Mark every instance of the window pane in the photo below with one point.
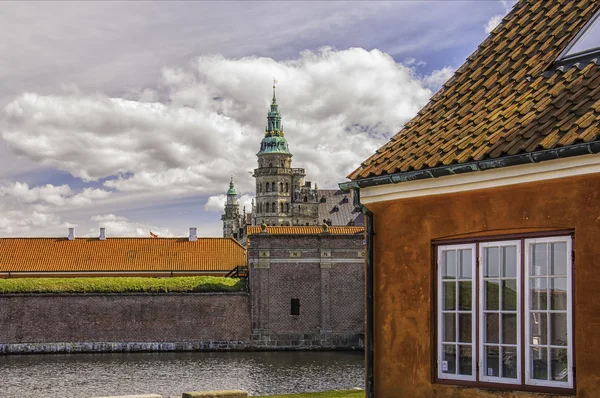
(492, 361)
(509, 328)
(449, 290)
(539, 328)
(465, 296)
(509, 362)
(539, 259)
(492, 327)
(558, 364)
(539, 363)
(449, 327)
(466, 264)
(465, 327)
(449, 264)
(558, 329)
(492, 301)
(449, 358)
(509, 295)
(465, 360)
(558, 256)
(558, 293)
(491, 255)
(538, 293)
(509, 261)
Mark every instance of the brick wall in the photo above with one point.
(124, 318)
(325, 272)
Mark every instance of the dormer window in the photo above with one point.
(585, 43)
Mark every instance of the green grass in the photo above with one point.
(121, 285)
(326, 394)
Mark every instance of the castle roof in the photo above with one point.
(119, 254)
(305, 230)
(337, 206)
(511, 97)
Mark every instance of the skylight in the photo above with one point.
(586, 42)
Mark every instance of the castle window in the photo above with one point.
(267, 187)
(295, 307)
(270, 164)
(273, 186)
(260, 188)
(286, 187)
(305, 198)
(273, 207)
(281, 187)
(287, 207)
(281, 207)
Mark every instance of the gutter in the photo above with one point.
(369, 382)
(481, 165)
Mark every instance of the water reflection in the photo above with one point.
(170, 374)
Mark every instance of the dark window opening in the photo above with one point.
(295, 307)
(281, 187)
(286, 187)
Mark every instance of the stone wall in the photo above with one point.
(67, 323)
(123, 322)
(324, 272)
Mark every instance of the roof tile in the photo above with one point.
(119, 254)
(501, 101)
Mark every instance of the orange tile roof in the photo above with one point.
(508, 98)
(305, 230)
(119, 254)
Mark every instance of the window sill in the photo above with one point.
(548, 391)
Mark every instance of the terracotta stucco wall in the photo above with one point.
(403, 281)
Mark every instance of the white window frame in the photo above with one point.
(480, 312)
(440, 312)
(478, 373)
(570, 364)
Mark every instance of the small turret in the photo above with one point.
(232, 194)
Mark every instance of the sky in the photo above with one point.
(134, 115)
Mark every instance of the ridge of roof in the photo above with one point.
(304, 230)
(503, 101)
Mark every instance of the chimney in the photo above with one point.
(193, 236)
(102, 234)
(71, 234)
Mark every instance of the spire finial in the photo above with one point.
(274, 84)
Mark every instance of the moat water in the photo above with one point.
(170, 374)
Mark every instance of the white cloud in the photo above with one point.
(52, 195)
(121, 226)
(20, 221)
(493, 22)
(211, 123)
(438, 77)
(216, 203)
(496, 19)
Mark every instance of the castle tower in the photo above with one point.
(231, 218)
(282, 195)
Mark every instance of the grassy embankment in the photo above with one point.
(121, 285)
(326, 394)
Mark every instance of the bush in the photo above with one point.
(122, 285)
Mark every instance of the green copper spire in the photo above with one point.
(232, 190)
(274, 142)
(274, 126)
